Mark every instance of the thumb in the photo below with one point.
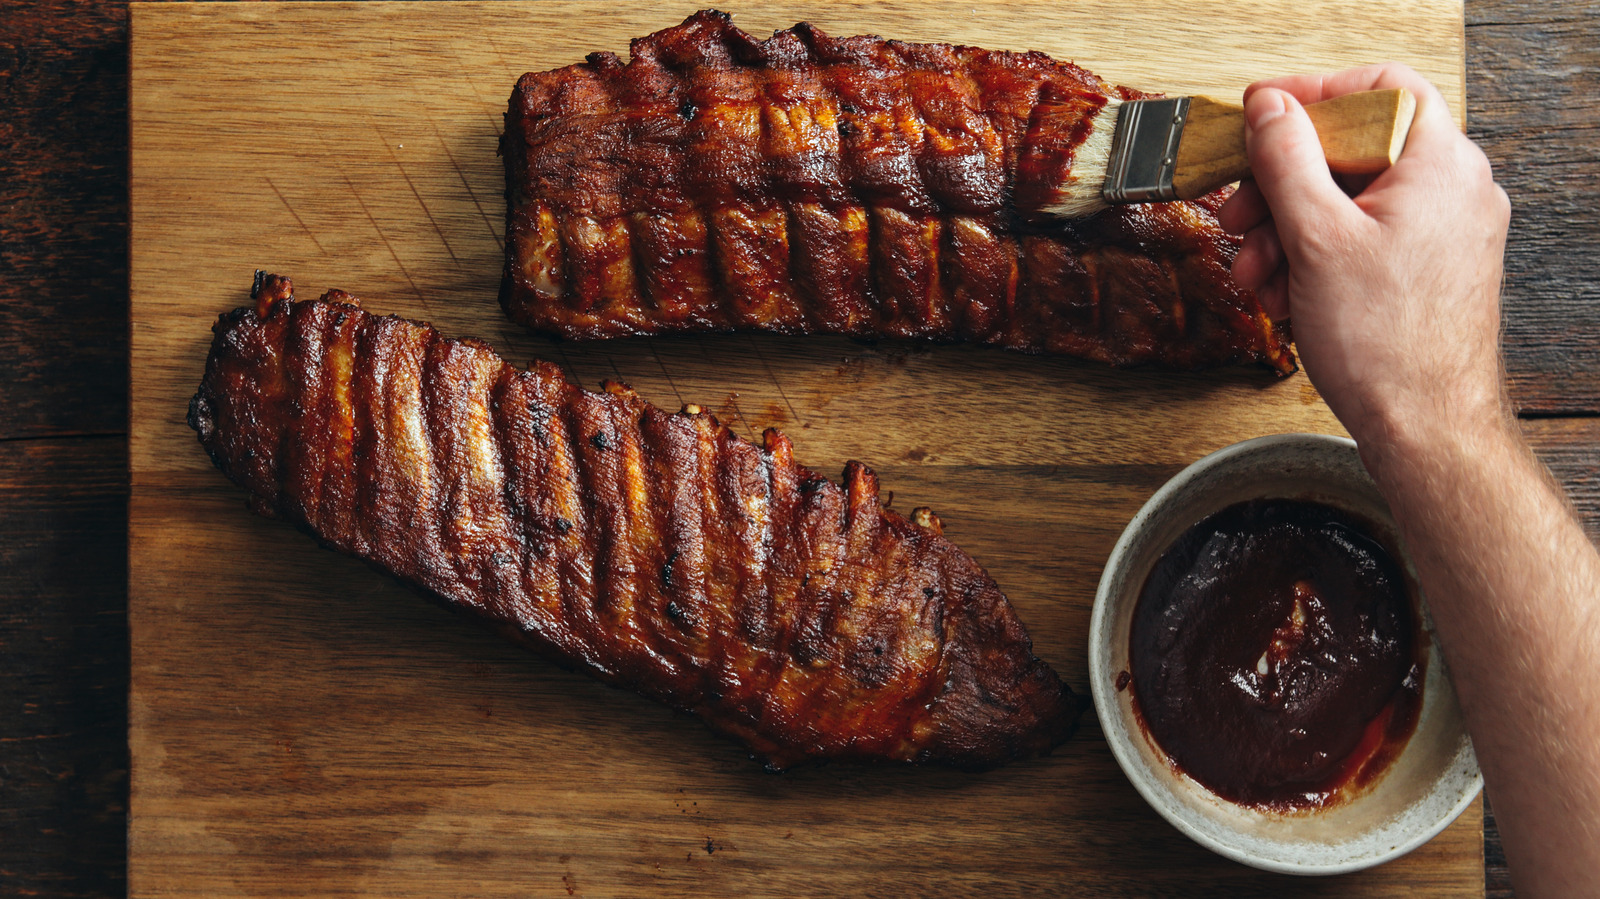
(1289, 167)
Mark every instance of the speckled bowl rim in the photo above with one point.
(1109, 710)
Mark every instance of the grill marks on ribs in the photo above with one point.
(809, 184)
(656, 551)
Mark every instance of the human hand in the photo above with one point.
(1392, 282)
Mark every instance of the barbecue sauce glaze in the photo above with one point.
(1274, 654)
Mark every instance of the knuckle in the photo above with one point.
(1466, 163)
(1396, 73)
(1502, 206)
(1477, 163)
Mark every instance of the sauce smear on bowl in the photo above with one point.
(1275, 654)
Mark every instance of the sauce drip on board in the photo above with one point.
(1274, 654)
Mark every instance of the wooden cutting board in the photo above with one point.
(304, 726)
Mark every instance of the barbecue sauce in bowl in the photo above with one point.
(1274, 654)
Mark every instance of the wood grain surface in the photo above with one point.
(1535, 110)
(63, 329)
(302, 725)
(63, 664)
(63, 448)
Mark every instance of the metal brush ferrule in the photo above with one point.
(1144, 150)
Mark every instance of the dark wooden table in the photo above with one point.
(1532, 104)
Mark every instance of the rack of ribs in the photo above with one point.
(656, 551)
(814, 185)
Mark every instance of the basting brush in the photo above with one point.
(1180, 148)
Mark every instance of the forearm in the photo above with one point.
(1514, 588)
(1394, 293)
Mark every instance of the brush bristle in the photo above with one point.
(1082, 192)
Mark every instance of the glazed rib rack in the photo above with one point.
(858, 186)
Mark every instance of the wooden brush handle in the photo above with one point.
(1361, 134)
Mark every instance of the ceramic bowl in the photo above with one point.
(1433, 779)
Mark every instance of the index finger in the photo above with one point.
(1433, 113)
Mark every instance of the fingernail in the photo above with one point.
(1263, 106)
